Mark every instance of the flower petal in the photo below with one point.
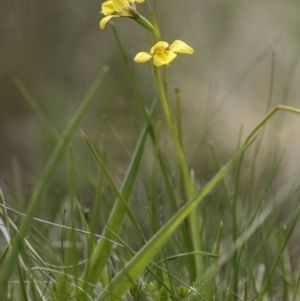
(181, 47)
(107, 8)
(120, 5)
(142, 57)
(105, 20)
(163, 58)
(139, 1)
(159, 46)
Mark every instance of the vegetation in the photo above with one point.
(164, 234)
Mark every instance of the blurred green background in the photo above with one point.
(56, 49)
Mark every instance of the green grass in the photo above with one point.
(160, 234)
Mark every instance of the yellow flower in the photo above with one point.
(163, 53)
(118, 8)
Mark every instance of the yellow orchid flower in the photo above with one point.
(118, 8)
(163, 53)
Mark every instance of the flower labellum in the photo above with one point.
(163, 53)
(118, 8)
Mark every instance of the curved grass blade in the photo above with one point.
(201, 253)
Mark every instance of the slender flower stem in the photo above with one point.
(187, 183)
(172, 128)
(166, 86)
(193, 217)
(178, 114)
(154, 137)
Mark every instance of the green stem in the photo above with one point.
(166, 87)
(184, 174)
(193, 217)
(172, 128)
(178, 114)
(154, 138)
